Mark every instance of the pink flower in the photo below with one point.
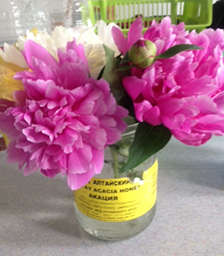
(63, 120)
(134, 33)
(163, 34)
(185, 93)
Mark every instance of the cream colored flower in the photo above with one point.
(60, 36)
(42, 38)
(93, 47)
(93, 44)
(7, 71)
(104, 33)
(7, 84)
(12, 55)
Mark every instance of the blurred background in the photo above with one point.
(16, 16)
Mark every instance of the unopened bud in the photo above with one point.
(142, 53)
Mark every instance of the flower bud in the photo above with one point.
(142, 53)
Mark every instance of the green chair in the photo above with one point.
(197, 14)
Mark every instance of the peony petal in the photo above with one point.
(15, 155)
(79, 160)
(153, 116)
(141, 109)
(104, 32)
(135, 32)
(43, 71)
(134, 86)
(219, 101)
(51, 173)
(170, 106)
(98, 138)
(34, 50)
(199, 86)
(12, 55)
(120, 40)
(191, 139)
(35, 137)
(7, 126)
(76, 181)
(97, 160)
(7, 83)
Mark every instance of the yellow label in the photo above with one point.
(115, 200)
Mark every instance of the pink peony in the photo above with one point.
(185, 93)
(64, 119)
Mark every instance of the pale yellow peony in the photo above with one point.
(7, 84)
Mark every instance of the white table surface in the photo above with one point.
(37, 217)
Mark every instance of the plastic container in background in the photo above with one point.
(61, 12)
(68, 13)
(37, 15)
(12, 22)
(80, 12)
(197, 14)
(46, 15)
(16, 16)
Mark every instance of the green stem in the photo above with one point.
(115, 163)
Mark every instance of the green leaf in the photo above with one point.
(129, 120)
(125, 68)
(148, 141)
(109, 67)
(108, 73)
(123, 64)
(100, 74)
(175, 50)
(125, 59)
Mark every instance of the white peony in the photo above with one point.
(104, 33)
(12, 55)
(60, 36)
(93, 44)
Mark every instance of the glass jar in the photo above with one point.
(115, 206)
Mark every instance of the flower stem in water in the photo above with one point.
(115, 162)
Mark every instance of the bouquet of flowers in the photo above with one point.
(67, 96)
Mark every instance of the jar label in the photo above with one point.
(115, 200)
